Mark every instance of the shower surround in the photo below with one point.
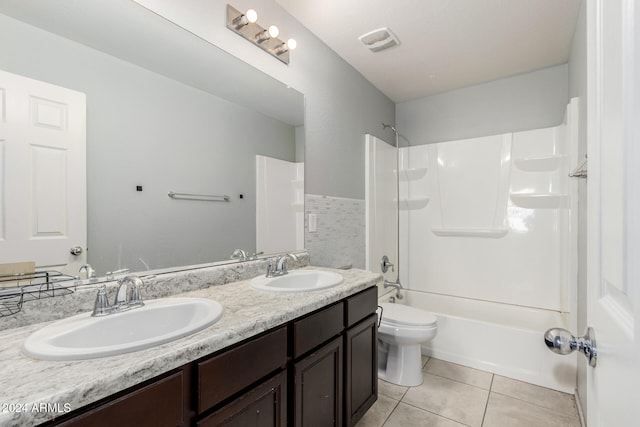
(488, 244)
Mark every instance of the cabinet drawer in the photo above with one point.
(157, 404)
(265, 405)
(317, 328)
(233, 370)
(361, 305)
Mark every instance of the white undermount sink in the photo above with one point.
(157, 322)
(298, 281)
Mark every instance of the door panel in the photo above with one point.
(613, 212)
(43, 176)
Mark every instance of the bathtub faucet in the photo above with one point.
(396, 285)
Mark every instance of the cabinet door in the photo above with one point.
(318, 385)
(361, 369)
(263, 406)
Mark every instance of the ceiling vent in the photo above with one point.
(379, 39)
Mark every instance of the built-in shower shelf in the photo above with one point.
(413, 203)
(540, 201)
(412, 174)
(492, 233)
(539, 164)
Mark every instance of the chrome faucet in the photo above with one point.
(128, 293)
(127, 296)
(239, 254)
(280, 267)
(91, 273)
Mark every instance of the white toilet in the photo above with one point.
(402, 330)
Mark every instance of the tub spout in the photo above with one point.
(397, 285)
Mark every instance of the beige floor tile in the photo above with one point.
(393, 391)
(505, 411)
(560, 402)
(378, 413)
(459, 402)
(459, 373)
(406, 415)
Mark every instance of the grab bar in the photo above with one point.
(207, 197)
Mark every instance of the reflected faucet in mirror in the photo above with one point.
(91, 273)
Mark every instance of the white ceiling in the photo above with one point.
(445, 44)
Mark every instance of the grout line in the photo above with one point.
(434, 413)
(555, 411)
(459, 382)
(390, 413)
(486, 405)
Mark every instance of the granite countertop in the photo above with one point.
(34, 391)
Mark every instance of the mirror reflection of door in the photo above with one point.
(279, 205)
(43, 172)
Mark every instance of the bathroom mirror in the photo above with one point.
(166, 111)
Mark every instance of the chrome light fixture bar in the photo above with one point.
(245, 24)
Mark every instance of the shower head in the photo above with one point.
(385, 126)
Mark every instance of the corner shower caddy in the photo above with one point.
(32, 286)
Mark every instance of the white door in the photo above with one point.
(613, 307)
(42, 172)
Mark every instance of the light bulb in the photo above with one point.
(274, 31)
(292, 44)
(252, 16)
(249, 17)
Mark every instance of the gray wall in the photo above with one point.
(527, 101)
(578, 88)
(145, 129)
(341, 105)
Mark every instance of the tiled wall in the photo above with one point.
(340, 237)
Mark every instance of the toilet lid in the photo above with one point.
(405, 315)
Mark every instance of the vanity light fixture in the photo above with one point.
(245, 24)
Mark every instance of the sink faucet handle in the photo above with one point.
(101, 306)
(271, 268)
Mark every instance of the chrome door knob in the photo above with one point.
(563, 342)
(76, 250)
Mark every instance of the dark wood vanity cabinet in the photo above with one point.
(337, 382)
(317, 370)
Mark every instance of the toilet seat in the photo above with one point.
(404, 315)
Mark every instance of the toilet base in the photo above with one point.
(403, 365)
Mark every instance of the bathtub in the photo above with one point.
(500, 338)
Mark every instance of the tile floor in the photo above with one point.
(455, 396)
